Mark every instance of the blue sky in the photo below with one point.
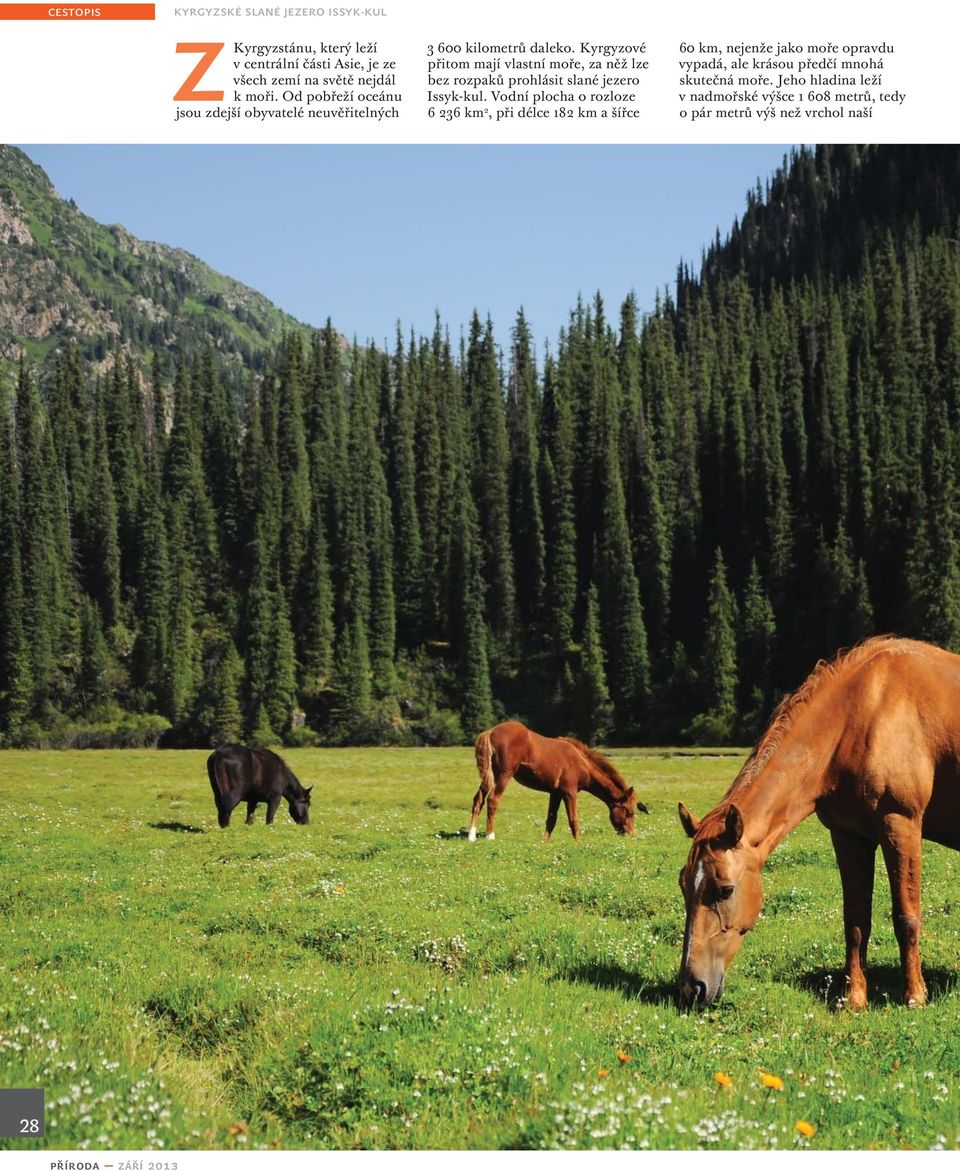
(373, 235)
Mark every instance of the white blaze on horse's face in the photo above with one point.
(723, 895)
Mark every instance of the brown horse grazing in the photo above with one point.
(559, 767)
(871, 744)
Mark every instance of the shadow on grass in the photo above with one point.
(633, 986)
(177, 827)
(884, 984)
(446, 835)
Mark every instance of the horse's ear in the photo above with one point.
(310, 790)
(690, 823)
(628, 794)
(733, 828)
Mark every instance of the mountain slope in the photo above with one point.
(824, 209)
(64, 278)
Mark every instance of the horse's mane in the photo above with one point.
(824, 672)
(293, 782)
(601, 762)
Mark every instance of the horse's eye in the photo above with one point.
(724, 892)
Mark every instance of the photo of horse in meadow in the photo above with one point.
(578, 479)
(870, 742)
(562, 767)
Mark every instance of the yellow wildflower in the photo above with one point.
(601, 1072)
(722, 1080)
(807, 1129)
(622, 1057)
(771, 1081)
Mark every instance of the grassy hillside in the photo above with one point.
(66, 278)
(372, 980)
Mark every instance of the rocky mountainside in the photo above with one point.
(66, 279)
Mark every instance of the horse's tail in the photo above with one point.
(484, 751)
(217, 772)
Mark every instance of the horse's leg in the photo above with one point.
(493, 800)
(901, 846)
(226, 806)
(485, 753)
(251, 806)
(220, 799)
(478, 801)
(552, 810)
(855, 858)
(570, 804)
(272, 802)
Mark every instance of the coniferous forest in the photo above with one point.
(645, 532)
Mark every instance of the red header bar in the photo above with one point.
(71, 12)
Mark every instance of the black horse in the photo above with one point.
(254, 775)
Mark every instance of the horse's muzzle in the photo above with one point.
(694, 993)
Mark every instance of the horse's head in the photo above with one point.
(623, 813)
(299, 806)
(723, 895)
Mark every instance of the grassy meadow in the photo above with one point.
(374, 980)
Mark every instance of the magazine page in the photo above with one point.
(479, 582)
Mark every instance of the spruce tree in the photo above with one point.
(153, 594)
(316, 610)
(936, 585)
(94, 685)
(620, 608)
(526, 520)
(219, 432)
(261, 626)
(756, 653)
(407, 548)
(182, 665)
(103, 545)
(40, 567)
(557, 479)
(218, 705)
(626, 638)
(280, 697)
(718, 668)
(476, 699)
(645, 511)
(428, 464)
(16, 689)
(594, 713)
(490, 461)
(383, 610)
(860, 621)
(293, 470)
(353, 667)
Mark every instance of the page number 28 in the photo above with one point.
(29, 1125)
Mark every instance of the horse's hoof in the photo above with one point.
(472, 836)
(853, 1003)
(491, 837)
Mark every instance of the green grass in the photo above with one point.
(373, 980)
